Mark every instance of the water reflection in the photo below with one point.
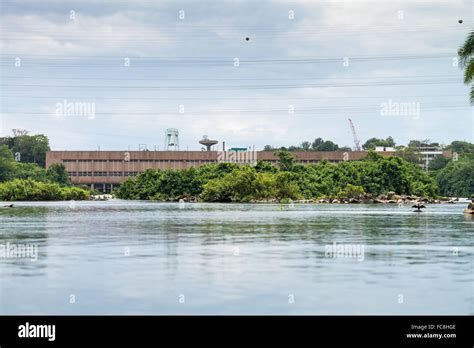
(138, 257)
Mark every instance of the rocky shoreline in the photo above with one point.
(389, 198)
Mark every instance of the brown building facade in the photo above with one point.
(103, 170)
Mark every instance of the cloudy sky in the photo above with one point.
(143, 66)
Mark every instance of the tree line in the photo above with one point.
(231, 182)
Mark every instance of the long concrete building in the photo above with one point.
(102, 170)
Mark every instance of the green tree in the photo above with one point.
(7, 163)
(317, 142)
(373, 142)
(409, 154)
(57, 173)
(462, 148)
(268, 148)
(286, 187)
(328, 145)
(306, 145)
(30, 148)
(466, 53)
(438, 162)
(286, 159)
(457, 178)
(351, 191)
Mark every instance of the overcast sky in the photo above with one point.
(306, 67)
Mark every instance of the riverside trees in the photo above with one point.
(230, 182)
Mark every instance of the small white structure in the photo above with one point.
(383, 149)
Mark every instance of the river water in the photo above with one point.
(123, 257)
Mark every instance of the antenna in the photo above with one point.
(354, 134)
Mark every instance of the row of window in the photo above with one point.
(103, 173)
(136, 161)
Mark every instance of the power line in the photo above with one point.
(312, 110)
(246, 87)
(102, 78)
(238, 98)
(191, 59)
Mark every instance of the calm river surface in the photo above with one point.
(122, 257)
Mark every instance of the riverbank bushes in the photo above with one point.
(31, 190)
(456, 178)
(230, 182)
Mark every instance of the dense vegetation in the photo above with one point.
(319, 144)
(27, 148)
(229, 182)
(455, 177)
(11, 169)
(30, 190)
(23, 177)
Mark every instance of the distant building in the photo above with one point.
(102, 170)
(427, 154)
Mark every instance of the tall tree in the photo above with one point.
(316, 143)
(306, 145)
(57, 173)
(373, 142)
(31, 148)
(7, 163)
(466, 53)
(286, 159)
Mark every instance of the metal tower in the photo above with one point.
(172, 139)
(354, 134)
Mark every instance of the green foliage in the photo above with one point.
(265, 167)
(438, 162)
(409, 154)
(286, 159)
(351, 191)
(7, 164)
(457, 178)
(462, 148)
(29, 171)
(286, 187)
(373, 142)
(466, 55)
(230, 182)
(30, 190)
(11, 169)
(31, 148)
(317, 145)
(57, 173)
(328, 145)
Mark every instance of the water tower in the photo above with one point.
(172, 139)
(207, 142)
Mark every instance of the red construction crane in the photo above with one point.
(354, 134)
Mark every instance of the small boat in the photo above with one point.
(468, 211)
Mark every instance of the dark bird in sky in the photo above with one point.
(247, 39)
(418, 207)
(460, 21)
